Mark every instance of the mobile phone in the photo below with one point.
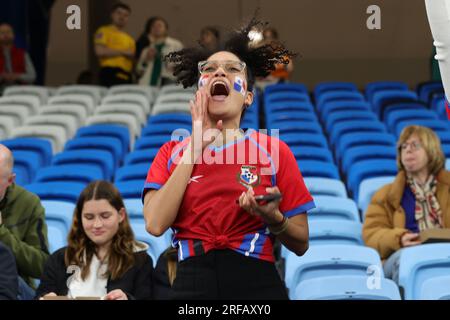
(268, 197)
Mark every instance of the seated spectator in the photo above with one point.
(22, 226)
(282, 71)
(9, 280)
(418, 199)
(115, 48)
(15, 63)
(210, 38)
(152, 67)
(102, 255)
(165, 274)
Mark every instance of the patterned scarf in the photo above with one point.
(428, 212)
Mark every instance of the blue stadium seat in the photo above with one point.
(64, 191)
(151, 142)
(335, 208)
(367, 189)
(132, 172)
(333, 86)
(178, 129)
(417, 106)
(447, 164)
(342, 116)
(348, 106)
(382, 99)
(97, 158)
(29, 160)
(60, 211)
(355, 154)
(369, 169)
(170, 118)
(249, 122)
(436, 288)
(135, 208)
(107, 130)
(304, 140)
(131, 189)
(421, 263)
(325, 232)
(443, 136)
(333, 96)
(373, 87)
(355, 127)
(41, 146)
(286, 97)
(397, 116)
(435, 125)
(330, 260)
(69, 173)
(346, 287)
(285, 87)
(143, 156)
(320, 169)
(446, 150)
(326, 187)
(426, 89)
(351, 140)
(110, 144)
(312, 153)
(439, 108)
(299, 127)
(157, 244)
(281, 107)
(290, 115)
(57, 238)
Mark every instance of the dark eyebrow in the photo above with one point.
(98, 213)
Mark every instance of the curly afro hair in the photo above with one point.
(260, 60)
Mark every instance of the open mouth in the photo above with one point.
(219, 90)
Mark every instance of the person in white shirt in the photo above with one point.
(102, 259)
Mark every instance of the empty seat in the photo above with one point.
(30, 102)
(69, 173)
(436, 288)
(143, 156)
(312, 153)
(420, 263)
(373, 87)
(355, 154)
(342, 116)
(125, 120)
(175, 97)
(369, 169)
(41, 146)
(59, 210)
(28, 90)
(426, 89)
(333, 259)
(285, 87)
(396, 116)
(16, 114)
(286, 97)
(298, 127)
(367, 189)
(135, 99)
(151, 142)
(326, 187)
(131, 109)
(180, 107)
(30, 160)
(110, 144)
(336, 208)
(130, 189)
(346, 287)
(132, 172)
(355, 127)
(22, 177)
(435, 125)
(55, 134)
(97, 158)
(334, 86)
(170, 118)
(320, 169)
(325, 232)
(104, 130)
(57, 238)
(74, 110)
(134, 207)
(64, 191)
(272, 108)
(175, 88)
(175, 129)
(333, 96)
(67, 122)
(348, 106)
(6, 127)
(304, 140)
(145, 91)
(86, 101)
(95, 92)
(350, 140)
(382, 99)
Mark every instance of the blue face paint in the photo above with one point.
(240, 85)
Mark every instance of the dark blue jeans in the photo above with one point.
(25, 291)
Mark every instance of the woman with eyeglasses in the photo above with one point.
(206, 187)
(417, 200)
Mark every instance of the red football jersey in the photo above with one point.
(209, 217)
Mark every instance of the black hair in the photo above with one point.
(260, 60)
(120, 5)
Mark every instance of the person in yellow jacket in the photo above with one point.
(417, 200)
(115, 48)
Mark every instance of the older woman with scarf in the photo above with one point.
(417, 200)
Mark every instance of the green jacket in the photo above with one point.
(24, 231)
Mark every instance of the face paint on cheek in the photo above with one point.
(240, 85)
(203, 81)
